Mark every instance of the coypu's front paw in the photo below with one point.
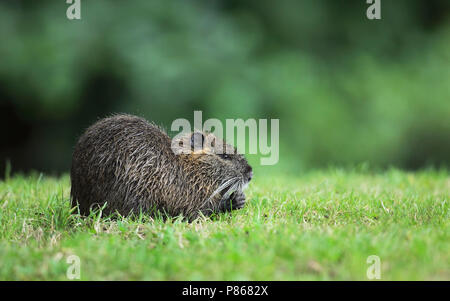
(236, 201)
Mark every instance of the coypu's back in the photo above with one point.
(128, 163)
(107, 163)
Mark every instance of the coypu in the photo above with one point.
(129, 163)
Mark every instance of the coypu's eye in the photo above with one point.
(225, 156)
(197, 141)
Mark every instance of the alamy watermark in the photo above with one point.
(73, 271)
(374, 10)
(257, 136)
(374, 270)
(73, 12)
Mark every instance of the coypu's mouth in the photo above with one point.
(230, 187)
(231, 192)
(245, 186)
(233, 196)
(234, 202)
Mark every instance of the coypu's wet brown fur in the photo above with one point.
(128, 163)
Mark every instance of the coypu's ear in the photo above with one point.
(197, 141)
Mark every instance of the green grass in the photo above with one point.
(321, 225)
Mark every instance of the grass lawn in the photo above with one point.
(322, 225)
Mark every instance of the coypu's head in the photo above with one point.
(216, 167)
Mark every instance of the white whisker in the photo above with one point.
(221, 188)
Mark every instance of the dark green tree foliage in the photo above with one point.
(346, 89)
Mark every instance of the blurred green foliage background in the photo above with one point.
(346, 89)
